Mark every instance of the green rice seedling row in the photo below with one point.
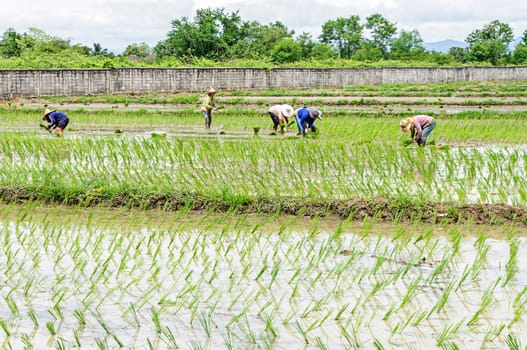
(140, 229)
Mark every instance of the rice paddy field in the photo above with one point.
(139, 229)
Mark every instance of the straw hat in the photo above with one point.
(287, 111)
(211, 91)
(46, 112)
(406, 123)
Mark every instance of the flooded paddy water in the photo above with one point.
(339, 254)
(96, 278)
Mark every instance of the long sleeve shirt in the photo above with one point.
(57, 117)
(420, 122)
(278, 111)
(303, 117)
(208, 103)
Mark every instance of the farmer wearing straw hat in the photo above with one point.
(280, 114)
(57, 121)
(207, 105)
(305, 119)
(420, 127)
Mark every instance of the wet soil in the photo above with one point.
(381, 209)
(358, 209)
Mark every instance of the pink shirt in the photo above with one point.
(277, 110)
(420, 122)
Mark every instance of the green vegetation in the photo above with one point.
(165, 235)
(152, 152)
(120, 278)
(216, 38)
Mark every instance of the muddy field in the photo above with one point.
(141, 230)
(333, 103)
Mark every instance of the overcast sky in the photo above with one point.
(117, 23)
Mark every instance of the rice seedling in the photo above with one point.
(227, 277)
(26, 340)
(512, 342)
(511, 266)
(5, 327)
(448, 332)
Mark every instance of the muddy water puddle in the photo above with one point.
(132, 278)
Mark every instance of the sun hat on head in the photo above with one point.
(405, 123)
(287, 110)
(211, 91)
(315, 113)
(46, 112)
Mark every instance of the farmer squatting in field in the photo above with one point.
(420, 127)
(207, 106)
(280, 114)
(58, 121)
(305, 119)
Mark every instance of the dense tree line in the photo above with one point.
(215, 35)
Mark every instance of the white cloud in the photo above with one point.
(117, 23)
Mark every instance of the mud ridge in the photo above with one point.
(382, 209)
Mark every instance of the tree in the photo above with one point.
(210, 36)
(323, 52)
(42, 43)
(382, 31)
(369, 52)
(459, 53)
(407, 46)
(306, 43)
(97, 50)
(343, 34)
(10, 44)
(519, 55)
(139, 50)
(491, 43)
(267, 36)
(286, 51)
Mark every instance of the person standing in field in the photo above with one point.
(280, 114)
(305, 119)
(207, 106)
(58, 121)
(420, 127)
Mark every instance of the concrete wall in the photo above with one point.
(84, 82)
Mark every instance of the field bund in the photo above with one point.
(85, 82)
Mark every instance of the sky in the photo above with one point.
(114, 24)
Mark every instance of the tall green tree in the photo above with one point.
(491, 43)
(306, 42)
(267, 36)
(343, 34)
(382, 32)
(459, 53)
(10, 45)
(519, 55)
(407, 46)
(139, 50)
(286, 51)
(210, 35)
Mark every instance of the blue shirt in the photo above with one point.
(57, 117)
(302, 118)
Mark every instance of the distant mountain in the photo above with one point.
(444, 45)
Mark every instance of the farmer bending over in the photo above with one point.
(280, 114)
(420, 127)
(305, 119)
(57, 121)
